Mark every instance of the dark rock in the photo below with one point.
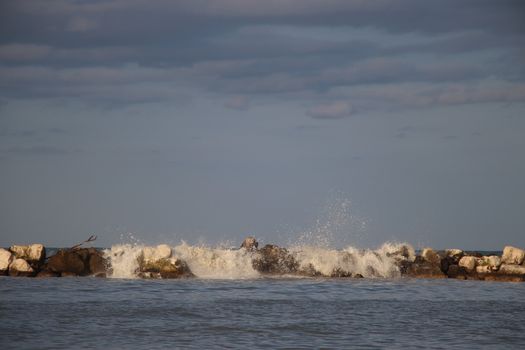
(47, 273)
(425, 269)
(340, 273)
(274, 259)
(98, 265)
(69, 262)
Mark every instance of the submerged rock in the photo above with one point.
(274, 259)
(512, 255)
(250, 243)
(6, 258)
(20, 267)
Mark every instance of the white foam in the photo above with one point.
(217, 263)
(224, 263)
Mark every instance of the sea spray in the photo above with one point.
(217, 263)
(227, 263)
(351, 261)
(124, 260)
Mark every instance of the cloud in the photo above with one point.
(334, 110)
(240, 103)
(80, 24)
(41, 151)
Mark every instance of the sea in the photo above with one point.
(228, 305)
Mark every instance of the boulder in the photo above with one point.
(400, 252)
(468, 263)
(166, 268)
(454, 271)
(67, 261)
(274, 259)
(6, 258)
(33, 253)
(513, 256)
(424, 269)
(453, 255)
(20, 267)
(250, 243)
(493, 262)
(98, 265)
(512, 269)
(47, 273)
(430, 256)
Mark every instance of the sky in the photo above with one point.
(347, 122)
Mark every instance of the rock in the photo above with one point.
(400, 252)
(69, 262)
(468, 263)
(453, 255)
(454, 271)
(274, 259)
(166, 268)
(98, 265)
(33, 253)
(512, 269)
(47, 273)
(20, 267)
(250, 243)
(6, 258)
(513, 256)
(493, 262)
(431, 256)
(425, 269)
(483, 269)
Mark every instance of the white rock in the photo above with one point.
(512, 255)
(19, 250)
(468, 263)
(512, 269)
(35, 252)
(454, 252)
(20, 267)
(483, 269)
(6, 258)
(430, 256)
(32, 252)
(493, 262)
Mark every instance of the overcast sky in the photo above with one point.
(357, 121)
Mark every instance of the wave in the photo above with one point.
(228, 263)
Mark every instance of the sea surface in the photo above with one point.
(260, 313)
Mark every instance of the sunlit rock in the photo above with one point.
(165, 268)
(493, 262)
(250, 243)
(512, 255)
(6, 258)
(512, 269)
(20, 267)
(468, 263)
(430, 256)
(32, 253)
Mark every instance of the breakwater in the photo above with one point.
(251, 261)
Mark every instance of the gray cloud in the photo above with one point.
(334, 110)
(40, 151)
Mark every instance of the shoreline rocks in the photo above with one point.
(160, 263)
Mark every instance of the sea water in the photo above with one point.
(230, 305)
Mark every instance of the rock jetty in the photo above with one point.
(159, 262)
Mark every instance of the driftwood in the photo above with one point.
(90, 239)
